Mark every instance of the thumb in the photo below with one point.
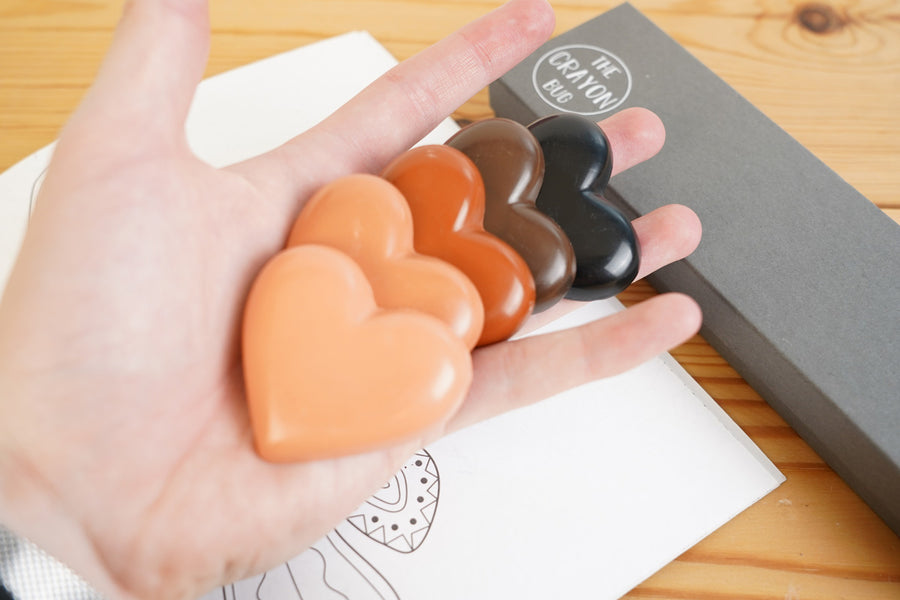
(147, 80)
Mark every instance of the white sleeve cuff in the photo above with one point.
(29, 573)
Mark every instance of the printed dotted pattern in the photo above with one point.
(400, 514)
(29, 573)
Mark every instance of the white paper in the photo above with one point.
(583, 495)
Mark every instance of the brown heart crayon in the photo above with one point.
(511, 164)
(577, 167)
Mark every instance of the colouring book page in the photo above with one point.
(585, 494)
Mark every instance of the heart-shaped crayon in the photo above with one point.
(511, 164)
(446, 196)
(368, 219)
(577, 166)
(328, 373)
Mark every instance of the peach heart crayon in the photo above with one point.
(329, 373)
(368, 219)
(446, 196)
(577, 167)
(512, 168)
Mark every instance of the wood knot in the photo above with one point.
(819, 18)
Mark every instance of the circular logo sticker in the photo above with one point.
(581, 79)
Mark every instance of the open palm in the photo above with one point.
(125, 445)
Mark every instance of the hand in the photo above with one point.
(125, 447)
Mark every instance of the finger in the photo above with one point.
(402, 106)
(427, 88)
(518, 373)
(635, 135)
(665, 235)
(152, 69)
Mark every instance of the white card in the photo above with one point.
(583, 495)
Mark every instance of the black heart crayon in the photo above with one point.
(577, 167)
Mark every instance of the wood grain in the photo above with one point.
(828, 73)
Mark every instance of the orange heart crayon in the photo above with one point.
(446, 196)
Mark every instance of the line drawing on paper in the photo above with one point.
(35, 188)
(398, 516)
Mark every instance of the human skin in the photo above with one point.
(125, 444)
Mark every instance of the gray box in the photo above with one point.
(798, 274)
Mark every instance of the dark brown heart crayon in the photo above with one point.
(511, 164)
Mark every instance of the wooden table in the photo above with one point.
(827, 73)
